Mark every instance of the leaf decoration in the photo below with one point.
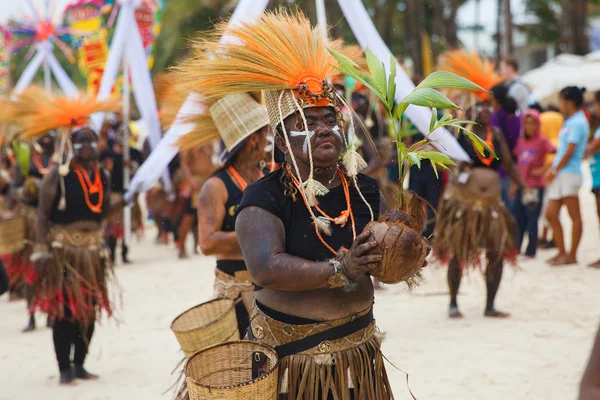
(448, 80)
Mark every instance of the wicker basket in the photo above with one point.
(224, 372)
(205, 325)
(12, 235)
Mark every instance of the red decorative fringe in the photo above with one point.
(19, 270)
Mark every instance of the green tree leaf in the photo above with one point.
(448, 80)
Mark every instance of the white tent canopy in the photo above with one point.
(565, 70)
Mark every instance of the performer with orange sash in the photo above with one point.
(69, 253)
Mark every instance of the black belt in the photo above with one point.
(311, 341)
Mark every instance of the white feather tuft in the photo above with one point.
(353, 163)
(324, 225)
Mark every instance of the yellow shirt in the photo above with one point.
(551, 123)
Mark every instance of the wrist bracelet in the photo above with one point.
(39, 255)
(41, 248)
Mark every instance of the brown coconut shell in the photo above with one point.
(400, 241)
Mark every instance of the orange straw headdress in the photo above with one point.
(473, 67)
(37, 112)
(287, 59)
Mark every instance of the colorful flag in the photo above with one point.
(149, 20)
(5, 44)
(85, 18)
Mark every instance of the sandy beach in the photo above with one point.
(539, 353)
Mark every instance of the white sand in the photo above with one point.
(539, 353)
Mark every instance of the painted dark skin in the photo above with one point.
(213, 197)
(293, 285)
(485, 182)
(85, 154)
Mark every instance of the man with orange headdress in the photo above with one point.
(299, 227)
(69, 252)
(472, 218)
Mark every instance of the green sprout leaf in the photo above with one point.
(22, 155)
(391, 87)
(448, 80)
(349, 67)
(414, 159)
(436, 157)
(433, 121)
(377, 70)
(427, 98)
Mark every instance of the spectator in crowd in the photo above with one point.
(531, 151)
(551, 121)
(565, 176)
(508, 121)
(509, 69)
(593, 151)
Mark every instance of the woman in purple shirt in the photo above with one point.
(507, 119)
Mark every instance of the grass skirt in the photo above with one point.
(19, 267)
(469, 225)
(115, 226)
(348, 368)
(78, 278)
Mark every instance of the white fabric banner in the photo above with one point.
(64, 81)
(30, 71)
(149, 173)
(368, 37)
(127, 42)
(45, 56)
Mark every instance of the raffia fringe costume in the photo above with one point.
(468, 224)
(349, 368)
(79, 277)
(18, 266)
(115, 225)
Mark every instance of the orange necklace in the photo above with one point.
(342, 219)
(91, 188)
(487, 161)
(238, 178)
(37, 161)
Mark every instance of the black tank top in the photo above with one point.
(485, 160)
(301, 240)
(77, 209)
(234, 198)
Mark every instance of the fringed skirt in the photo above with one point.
(469, 225)
(19, 267)
(78, 277)
(115, 226)
(346, 368)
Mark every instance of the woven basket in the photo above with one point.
(12, 235)
(224, 372)
(205, 325)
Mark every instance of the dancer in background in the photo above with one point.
(113, 161)
(70, 254)
(472, 218)
(196, 166)
(26, 183)
(531, 151)
(565, 177)
(593, 151)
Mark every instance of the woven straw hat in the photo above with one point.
(236, 117)
(288, 105)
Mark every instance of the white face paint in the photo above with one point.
(310, 134)
(270, 144)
